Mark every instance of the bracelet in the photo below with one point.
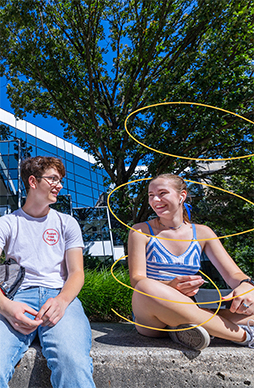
(249, 280)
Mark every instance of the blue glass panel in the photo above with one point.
(12, 161)
(83, 181)
(50, 149)
(13, 173)
(13, 131)
(83, 189)
(96, 194)
(8, 147)
(5, 159)
(4, 148)
(73, 195)
(94, 176)
(83, 172)
(100, 179)
(33, 152)
(21, 135)
(83, 200)
(81, 162)
(70, 184)
(69, 156)
(40, 144)
(42, 152)
(12, 146)
(31, 139)
(102, 189)
(104, 173)
(60, 152)
(69, 166)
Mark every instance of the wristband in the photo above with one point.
(249, 280)
(2, 290)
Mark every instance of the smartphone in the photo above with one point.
(206, 295)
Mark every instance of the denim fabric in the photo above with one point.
(66, 346)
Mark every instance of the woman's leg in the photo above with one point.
(160, 313)
(238, 319)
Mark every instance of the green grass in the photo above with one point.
(101, 292)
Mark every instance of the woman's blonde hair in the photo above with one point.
(179, 185)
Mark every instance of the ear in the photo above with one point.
(183, 196)
(32, 182)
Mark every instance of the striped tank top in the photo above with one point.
(158, 258)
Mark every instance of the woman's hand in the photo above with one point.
(187, 284)
(243, 304)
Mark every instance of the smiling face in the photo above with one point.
(37, 166)
(164, 198)
(47, 185)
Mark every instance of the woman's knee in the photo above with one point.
(148, 286)
(155, 291)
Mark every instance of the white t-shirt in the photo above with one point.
(39, 245)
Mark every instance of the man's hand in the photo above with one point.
(14, 312)
(187, 284)
(52, 311)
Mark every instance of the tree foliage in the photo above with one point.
(89, 63)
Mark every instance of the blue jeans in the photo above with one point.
(66, 346)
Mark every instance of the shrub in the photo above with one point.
(101, 292)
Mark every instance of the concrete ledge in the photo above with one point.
(125, 359)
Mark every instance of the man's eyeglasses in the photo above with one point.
(52, 180)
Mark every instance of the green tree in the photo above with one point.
(90, 63)
(228, 214)
(5, 132)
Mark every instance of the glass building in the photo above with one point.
(83, 194)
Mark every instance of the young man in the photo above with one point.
(49, 245)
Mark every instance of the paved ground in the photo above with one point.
(125, 359)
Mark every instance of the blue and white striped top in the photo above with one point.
(158, 258)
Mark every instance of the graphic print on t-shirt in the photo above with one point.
(51, 236)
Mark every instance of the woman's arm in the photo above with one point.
(219, 257)
(137, 254)
(230, 272)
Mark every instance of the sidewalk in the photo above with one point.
(125, 359)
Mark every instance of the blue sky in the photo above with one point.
(49, 124)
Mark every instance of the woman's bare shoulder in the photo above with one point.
(204, 231)
(142, 227)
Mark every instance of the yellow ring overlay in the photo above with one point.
(171, 239)
(184, 103)
(173, 301)
(162, 238)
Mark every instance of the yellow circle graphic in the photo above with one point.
(171, 239)
(184, 103)
(162, 238)
(173, 301)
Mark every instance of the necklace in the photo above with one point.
(171, 227)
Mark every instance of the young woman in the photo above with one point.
(149, 256)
